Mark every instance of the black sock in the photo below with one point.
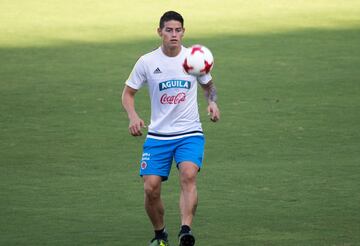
(160, 234)
(185, 229)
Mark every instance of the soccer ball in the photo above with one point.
(198, 60)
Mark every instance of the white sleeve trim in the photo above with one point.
(204, 79)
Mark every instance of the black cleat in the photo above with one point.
(162, 241)
(186, 239)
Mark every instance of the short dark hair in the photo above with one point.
(170, 15)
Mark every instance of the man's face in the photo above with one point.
(171, 34)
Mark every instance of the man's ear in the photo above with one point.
(159, 31)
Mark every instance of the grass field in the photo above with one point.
(281, 167)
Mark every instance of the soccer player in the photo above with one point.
(175, 130)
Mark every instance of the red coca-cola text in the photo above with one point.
(165, 99)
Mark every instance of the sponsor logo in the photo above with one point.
(184, 84)
(179, 98)
(157, 70)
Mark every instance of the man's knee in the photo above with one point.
(152, 187)
(188, 179)
(188, 173)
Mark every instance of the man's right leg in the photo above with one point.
(153, 203)
(155, 209)
(155, 168)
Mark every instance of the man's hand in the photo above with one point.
(211, 97)
(213, 111)
(135, 126)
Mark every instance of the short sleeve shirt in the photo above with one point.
(173, 93)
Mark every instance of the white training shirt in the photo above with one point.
(173, 94)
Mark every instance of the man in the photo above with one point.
(175, 130)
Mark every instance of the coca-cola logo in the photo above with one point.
(165, 99)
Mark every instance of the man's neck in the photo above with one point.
(172, 52)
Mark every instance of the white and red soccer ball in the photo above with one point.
(198, 61)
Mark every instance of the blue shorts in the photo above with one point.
(158, 155)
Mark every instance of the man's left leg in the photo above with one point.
(188, 195)
(188, 201)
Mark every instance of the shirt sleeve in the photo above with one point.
(204, 79)
(137, 76)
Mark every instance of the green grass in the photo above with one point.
(281, 167)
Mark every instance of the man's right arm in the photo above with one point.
(128, 102)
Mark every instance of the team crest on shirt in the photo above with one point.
(183, 84)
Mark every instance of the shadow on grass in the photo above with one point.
(290, 104)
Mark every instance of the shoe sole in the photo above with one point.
(160, 243)
(187, 240)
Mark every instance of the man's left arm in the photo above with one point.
(211, 97)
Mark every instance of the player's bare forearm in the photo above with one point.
(210, 92)
(211, 97)
(128, 102)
